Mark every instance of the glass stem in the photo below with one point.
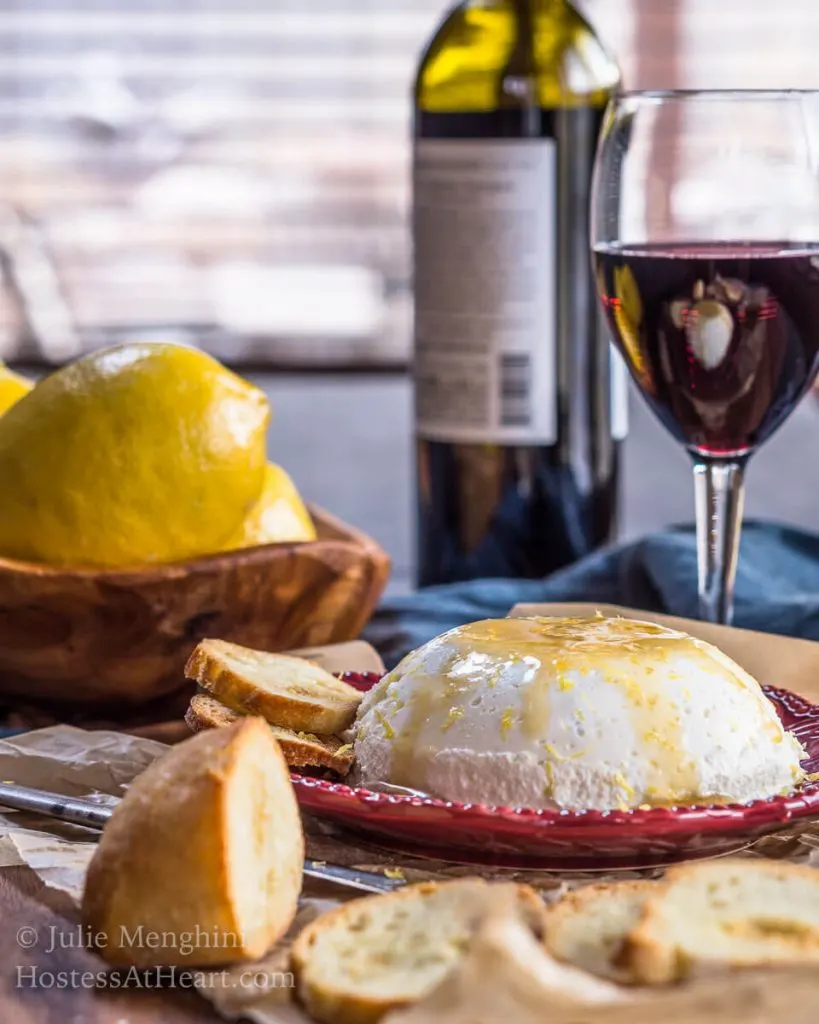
(719, 493)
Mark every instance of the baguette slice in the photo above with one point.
(289, 692)
(507, 976)
(205, 851)
(373, 955)
(300, 749)
(726, 913)
(588, 927)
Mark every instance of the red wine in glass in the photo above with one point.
(722, 338)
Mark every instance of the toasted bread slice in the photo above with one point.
(286, 691)
(300, 749)
(205, 850)
(726, 913)
(373, 955)
(506, 975)
(588, 927)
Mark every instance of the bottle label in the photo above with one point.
(485, 290)
(619, 395)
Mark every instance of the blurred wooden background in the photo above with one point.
(237, 172)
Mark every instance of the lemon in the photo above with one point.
(278, 516)
(140, 453)
(12, 388)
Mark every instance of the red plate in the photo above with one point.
(523, 837)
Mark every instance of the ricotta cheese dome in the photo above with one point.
(605, 713)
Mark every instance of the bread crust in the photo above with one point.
(300, 751)
(656, 958)
(343, 1005)
(166, 862)
(577, 903)
(506, 977)
(302, 697)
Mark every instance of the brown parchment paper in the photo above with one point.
(101, 764)
(352, 656)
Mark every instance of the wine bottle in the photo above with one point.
(520, 401)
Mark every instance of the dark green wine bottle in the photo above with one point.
(520, 407)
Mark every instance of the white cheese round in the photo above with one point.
(599, 713)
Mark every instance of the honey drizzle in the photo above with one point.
(428, 701)
(584, 644)
(617, 647)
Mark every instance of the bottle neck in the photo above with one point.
(529, 8)
(525, 14)
(518, 83)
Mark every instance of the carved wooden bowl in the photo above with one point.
(118, 638)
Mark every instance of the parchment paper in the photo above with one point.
(101, 764)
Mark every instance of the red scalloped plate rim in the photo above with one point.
(321, 795)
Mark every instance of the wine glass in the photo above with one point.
(705, 242)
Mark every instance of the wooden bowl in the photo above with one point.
(114, 639)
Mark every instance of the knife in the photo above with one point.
(79, 811)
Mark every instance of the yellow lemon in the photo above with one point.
(278, 516)
(12, 387)
(140, 453)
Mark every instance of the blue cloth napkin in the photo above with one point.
(777, 589)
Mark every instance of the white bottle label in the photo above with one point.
(485, 290)
(619, 395)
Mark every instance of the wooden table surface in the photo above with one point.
(28, 995)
